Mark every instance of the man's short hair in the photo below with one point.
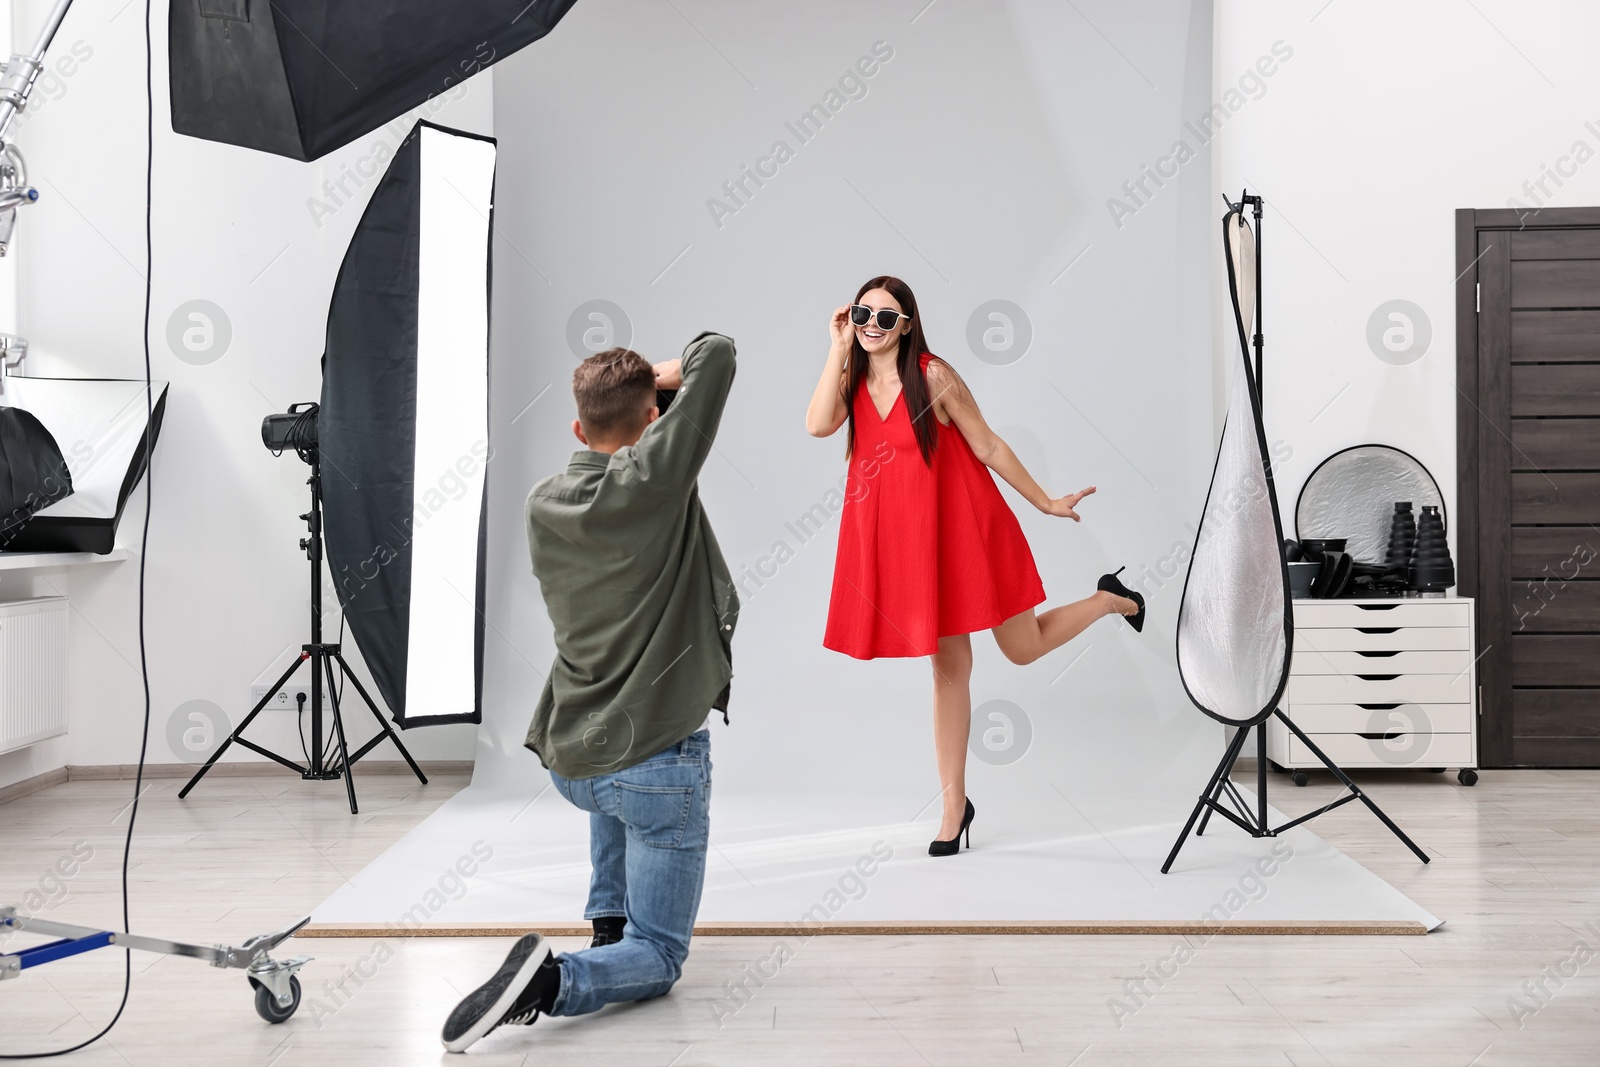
(615, 391)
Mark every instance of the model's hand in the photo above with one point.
(840, 329)
(1062, 507)
(669, 375)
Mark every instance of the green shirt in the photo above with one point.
(639, 595)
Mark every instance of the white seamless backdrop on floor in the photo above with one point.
(1026, 166)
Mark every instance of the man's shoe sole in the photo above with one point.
(483, 1008)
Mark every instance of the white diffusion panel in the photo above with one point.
(452, 428)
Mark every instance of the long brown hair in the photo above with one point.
(913, 385)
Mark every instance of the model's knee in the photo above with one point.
(1020, 654)
(671, 954)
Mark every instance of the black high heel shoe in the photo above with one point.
(952, 846)
(1111, 584)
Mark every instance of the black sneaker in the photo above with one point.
(524, 985)
(607, 930)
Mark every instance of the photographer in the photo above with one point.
(644, 611)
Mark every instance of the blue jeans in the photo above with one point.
(649, 826)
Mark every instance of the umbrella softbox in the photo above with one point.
(404, 426)
(98, 427)
(300, 78)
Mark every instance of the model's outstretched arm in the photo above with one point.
(951, 397)
(828, 407)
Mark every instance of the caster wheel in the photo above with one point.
(267, 1005)
(1437, 770)
(1467, 776)
(1300, 778)
(1277, 768)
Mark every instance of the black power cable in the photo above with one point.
(144, 542)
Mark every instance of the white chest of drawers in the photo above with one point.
(1381, 683)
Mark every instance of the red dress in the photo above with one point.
(924, 552)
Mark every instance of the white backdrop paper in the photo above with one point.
(981, 159)
(978, 161)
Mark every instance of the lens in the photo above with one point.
(859, 314)
(887, 318)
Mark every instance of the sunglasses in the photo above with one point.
(887, 318)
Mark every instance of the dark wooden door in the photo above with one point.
(1529, 429)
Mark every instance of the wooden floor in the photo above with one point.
(1516, 873)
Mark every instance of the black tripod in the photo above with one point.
(1255, 822)
(324, 657)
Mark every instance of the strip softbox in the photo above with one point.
(1234, 626)
(300, 78)
(404, 426)
(99, 426)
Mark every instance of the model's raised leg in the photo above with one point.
(1024, 638)
(952, 722)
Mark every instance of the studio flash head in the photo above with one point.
(295, 429)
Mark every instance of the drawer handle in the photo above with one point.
(1390, 736)
(1377, 607)
(1378, 707)
(1377, 677)
(1377, 655)
(1378, 629)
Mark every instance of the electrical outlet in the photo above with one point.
(287, 698)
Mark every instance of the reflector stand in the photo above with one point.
(1235, 620)
(1255, 822)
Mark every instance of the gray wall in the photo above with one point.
(977, 164)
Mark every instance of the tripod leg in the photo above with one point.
(1350, 785)
(1205, 816)
(1216, 795)
(338, 727)
(248, 719)
(1261, 773)
(383, 723)
(1202, 804)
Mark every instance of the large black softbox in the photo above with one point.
(404, 426)
(300, 78)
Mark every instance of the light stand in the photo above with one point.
(324, 657)
(1255, 823)
(16, 84)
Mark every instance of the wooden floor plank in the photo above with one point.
(1515, 872)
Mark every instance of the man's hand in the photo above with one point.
(669, 375)
(1062, 507)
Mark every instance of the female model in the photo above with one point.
(929, 552)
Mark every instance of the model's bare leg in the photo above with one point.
(952, 722)
(1024, 638)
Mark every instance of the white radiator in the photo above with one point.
(33, 671)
